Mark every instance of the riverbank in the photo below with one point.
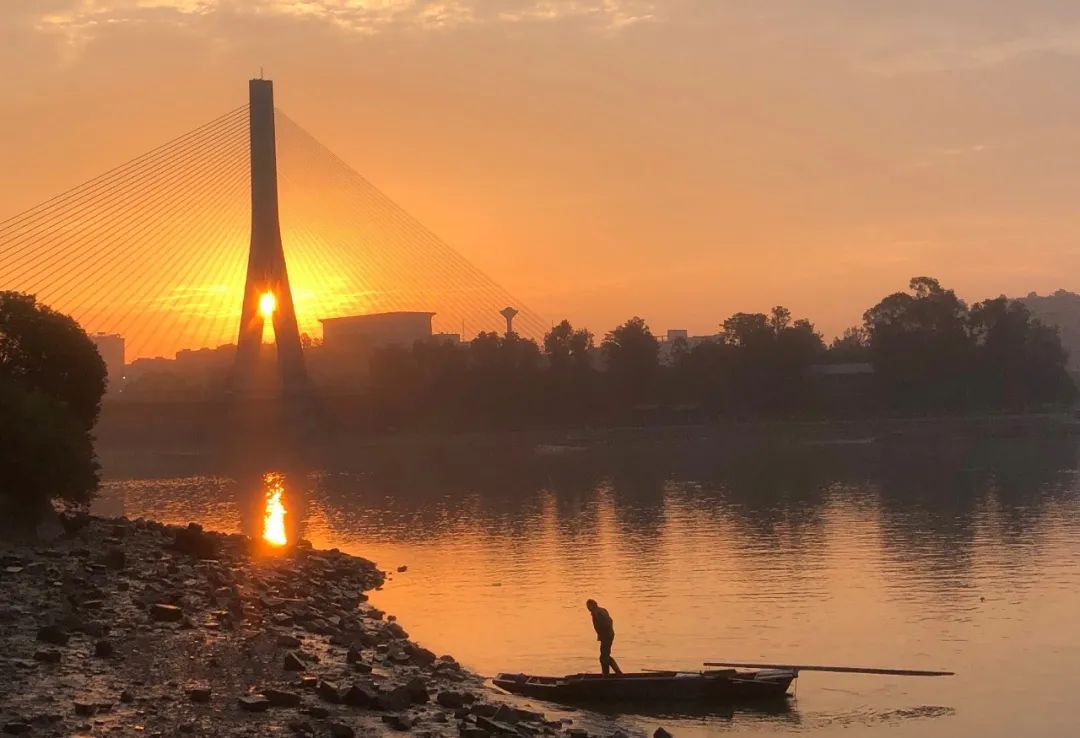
(119, 627)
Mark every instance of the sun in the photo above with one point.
(267, 304)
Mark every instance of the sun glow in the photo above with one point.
(267, 304)
(274, 518)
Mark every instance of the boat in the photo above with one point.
(719, 686)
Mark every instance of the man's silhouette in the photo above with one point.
(605, 633)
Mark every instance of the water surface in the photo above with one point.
(963, 556)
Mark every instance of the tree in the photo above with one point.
(852, 346)
(632, 355)
(51, 383)
(1020, 362)
(567, 348)
(45, 453)
(921, 348)
(47, 352)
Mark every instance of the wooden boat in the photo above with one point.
(722, 686)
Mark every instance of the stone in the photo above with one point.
(300, 727)
(471, 731)
(127, 697)
(293, 662)
(194, 542)
(281, 698)
(254, 703)
(199, 694)
(85, 708)
(402, 569)
(288, 641)
(115, 558)
(104, 650)
(417, 690)
(341, 730)
(47, 656)
(53, 634)
(309, 681)
(394, 700)
(16, 727)
(317, 711)
(163, 613)
(399, 722)
(494, 726)
(661, 733)
(328, 691)
(361, 695)
(450, 700)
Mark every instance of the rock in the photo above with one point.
(85, 708)
(577, 733)
(328, 691)
(127, 697)
(402, 569)
(288, 641)
(661, 733)
(53, 634)
(450, 700)
(281, 698)
(16, 727)
(494, 726)
(361, 695)
(47, 656)
(394, 700)
(195, 543)
(293, 662)
(300, 727)
(115, 558)
(317, 711)
(309, 681)
(254, 703)
(417, 690)
(471, 731)
(340, 730)
(199, 694)
(362, 667)
(104, 650)
(399, 722)
(505, 714)
(163, 613)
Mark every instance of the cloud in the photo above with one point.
(75, 22)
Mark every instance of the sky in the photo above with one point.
(681, 160)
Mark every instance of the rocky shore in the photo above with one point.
(122, 627)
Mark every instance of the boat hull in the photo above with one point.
(652, 688)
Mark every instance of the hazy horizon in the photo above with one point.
(682, 160)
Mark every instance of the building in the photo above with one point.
(111, 348)
(454, 339)
(367, 332)
(676, 337)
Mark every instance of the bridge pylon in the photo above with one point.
(267, 294)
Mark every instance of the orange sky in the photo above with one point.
(678, 159)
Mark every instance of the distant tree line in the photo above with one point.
(923, 351)
(51, 382)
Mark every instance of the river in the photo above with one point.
(940, 555)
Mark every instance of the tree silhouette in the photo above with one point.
(45, 351)
(632, 356)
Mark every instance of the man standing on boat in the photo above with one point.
(605, 633)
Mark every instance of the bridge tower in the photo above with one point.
(266, 291)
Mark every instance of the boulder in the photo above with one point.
(254, 703)
(281, 698)
(53, 634)
(293, 662)
(163, 613)
(104, 650)
(194, 542)
(341, 730)
(47, 656)
(361, 695)
(450, 700)
(399, 722)
(661, 733)
(199, 694)
(328, 691)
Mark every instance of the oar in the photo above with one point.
(841, 669)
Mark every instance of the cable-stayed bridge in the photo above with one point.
(159, 248)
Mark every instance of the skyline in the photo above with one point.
(929, 142)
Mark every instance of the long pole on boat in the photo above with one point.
(840, 669)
